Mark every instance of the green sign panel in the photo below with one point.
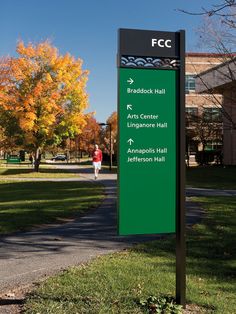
(147, 150)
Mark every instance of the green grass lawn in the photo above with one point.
(214, 177)
(24, 205)
(28, 172)
(115, 283)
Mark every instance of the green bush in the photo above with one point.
(205, 157)
(161, 305)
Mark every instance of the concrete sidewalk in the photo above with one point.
(27, 257)
(209, 192)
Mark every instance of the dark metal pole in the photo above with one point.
(180, 213)
(110, 140)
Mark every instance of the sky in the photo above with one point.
(88, 29)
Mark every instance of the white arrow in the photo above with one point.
(130, 81)
(129, 107)
(130, 141)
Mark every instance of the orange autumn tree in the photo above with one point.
(43, 94)
(90, 134)
(112, 121)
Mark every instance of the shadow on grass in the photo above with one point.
(211, 245)
(211, 250)
(15, 171)
(25, 204)
(212, 177)
(96, 230)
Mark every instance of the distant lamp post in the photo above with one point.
(110, 150)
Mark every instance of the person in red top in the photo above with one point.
(97, 160)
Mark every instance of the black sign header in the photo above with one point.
(145, 43)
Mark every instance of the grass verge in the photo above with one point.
(115, 283)
(28, 172)
(212, 177)
(27, 204)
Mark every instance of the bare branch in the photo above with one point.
(217, 10)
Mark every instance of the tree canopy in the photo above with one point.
(42, 95)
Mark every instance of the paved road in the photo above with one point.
(26, 257)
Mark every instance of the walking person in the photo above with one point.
(97, 160)
(31, 159)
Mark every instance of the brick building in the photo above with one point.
(203, 111)
(221, 79)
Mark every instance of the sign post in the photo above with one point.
(151, 138)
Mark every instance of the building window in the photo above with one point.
(191, 114)
(212, 115)
(191, 111)
(212, 145)
(189, 83)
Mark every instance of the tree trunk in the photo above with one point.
(37, 159)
